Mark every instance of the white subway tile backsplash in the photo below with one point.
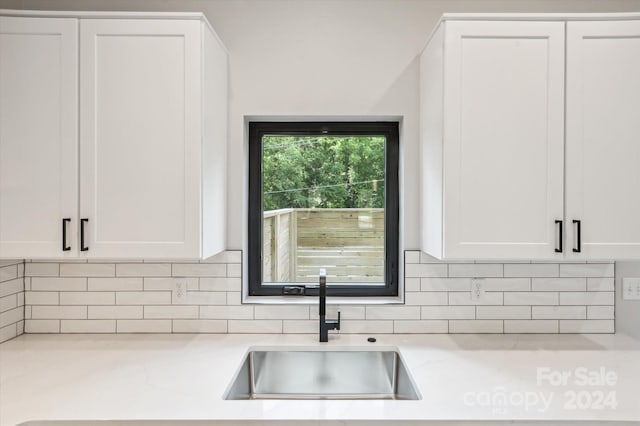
(170, 312)
(11, 316)
(58, 284)
(143, 270)
(597, 270)
(88, 326)
(587, 298)
(234, 270)
(42, 298)
(199, 270)
(559, 312)
(11, 287)
(503, 312)
(87, 270)
(8, 273)
(115, 284)
(141, 297)
(349, 312)
(220, 284)
(413, 270)
(445, 284)
(41, 326)
(412, 284)
(300, 326)
(476, 270)
(59, 312)
(8, 302)
(169, 283)
(200, 298)
(411, 257)
(464, 298)
(234, 298)
(42, 269)
(448, 312)
(8, 332)
(531, 298)
(559, 284)
(87, 298)
(300, 312)
(226, 312)
(255, 326)
(426, 298)
(392, 312)
(506, 284)
(115, 312)
(601, 284)
(600, 312)
(533, 270)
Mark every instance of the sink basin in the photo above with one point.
(322, 374)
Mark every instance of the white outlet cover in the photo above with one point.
(631, 288)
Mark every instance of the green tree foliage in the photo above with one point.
(323, 172)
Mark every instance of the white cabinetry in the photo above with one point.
(38, 136)
(149, 180)
(492, 130)
(506, 157)
(603, 138)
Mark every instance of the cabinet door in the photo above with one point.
(504, 139)
(140, 137)
(38, 136)
(603, 138)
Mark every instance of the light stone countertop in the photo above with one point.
(183, 377)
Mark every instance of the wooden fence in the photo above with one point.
(348, 243)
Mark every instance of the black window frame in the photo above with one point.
(391, 131)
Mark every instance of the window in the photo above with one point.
(323, 195)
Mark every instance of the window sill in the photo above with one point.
(313, 300)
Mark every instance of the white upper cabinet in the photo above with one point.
(141, 137)
(149, 180)
(603, 139)
(492, 106)
(38, 137)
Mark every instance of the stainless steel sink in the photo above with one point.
(322, 374)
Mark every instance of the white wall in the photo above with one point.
(627, 311)
(326, 58)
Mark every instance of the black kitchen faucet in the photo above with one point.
(325, 325)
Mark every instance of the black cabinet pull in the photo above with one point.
(579, 232)
(82, 246)
(64, 234)
(559, 249)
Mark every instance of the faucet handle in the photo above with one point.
(338, 324)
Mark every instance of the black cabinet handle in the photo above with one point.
(82, 246)
(64, 234)
(559, 249)
(579, 236)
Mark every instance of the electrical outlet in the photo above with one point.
(631, 288)
(179, 290)
(477, 288)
